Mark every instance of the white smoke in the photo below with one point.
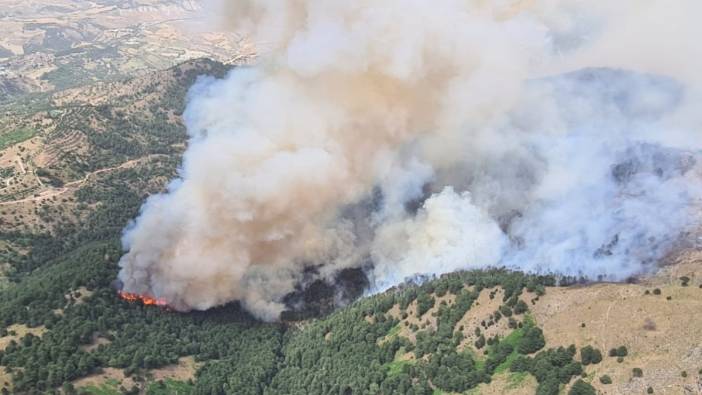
(448, 233)
(429, 137)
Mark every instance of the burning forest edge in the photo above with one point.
(145, 299)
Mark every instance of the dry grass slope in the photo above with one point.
(663, 333)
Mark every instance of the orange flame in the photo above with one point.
(145, 299)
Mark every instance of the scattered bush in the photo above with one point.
(590, 355)
(480, 343)
(506, 311)
(532, 341)
(521, 307)
(581, 388)
(424, 303)
(512, 323)
(551, 368)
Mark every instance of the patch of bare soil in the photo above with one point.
(5, 379)
(107, 374)
(20, 332)
(508, 384)
(411, 320)
(182, 371)
(481, 311)
(79, 295)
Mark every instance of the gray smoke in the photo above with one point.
(427, 137)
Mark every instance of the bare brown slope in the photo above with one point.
(662, 333)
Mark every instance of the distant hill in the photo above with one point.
(72, 43)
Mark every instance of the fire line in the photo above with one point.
(145, 299)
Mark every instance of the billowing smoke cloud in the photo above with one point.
(418, 137)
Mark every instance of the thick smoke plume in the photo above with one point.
(422, 137)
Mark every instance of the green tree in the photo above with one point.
(521, 307)
(590, 355)
(532, 341)
(424, 303)
(581, 388)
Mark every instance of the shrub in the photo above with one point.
(657, 291)
(424, 303)
(551, 368)
(590, 355)
(683, 374)
(581, 388)
(622, 351)
(649, 390)
(512, 323)
(685, 281)
(520, 307)
(532, 341)
(637, 372)
(506, 311)
(480, 343)
(511, 302)
(605, 379)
